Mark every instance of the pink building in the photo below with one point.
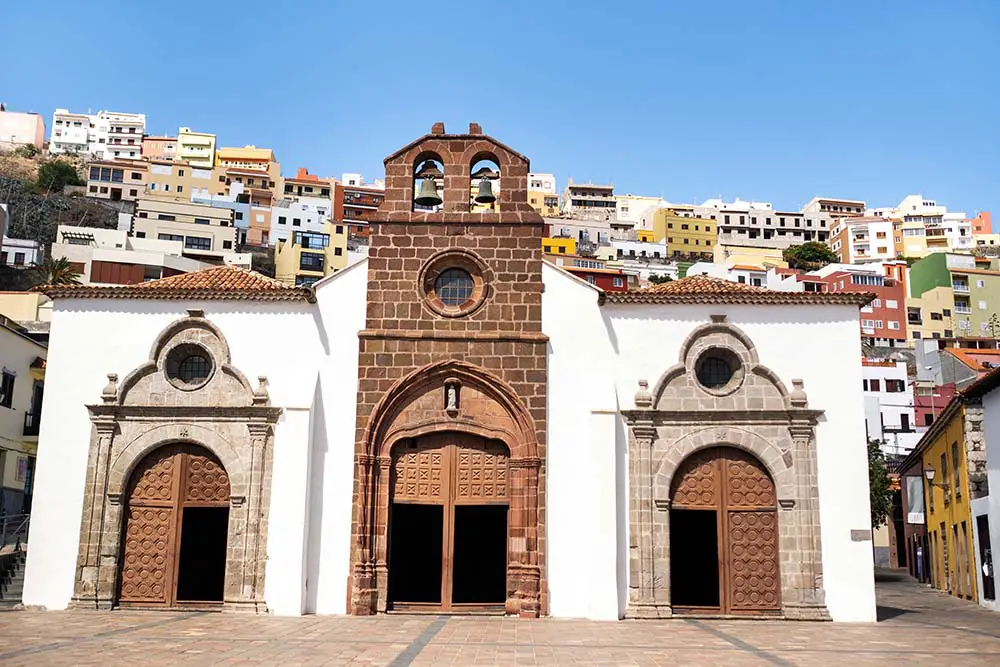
(162, 148)
(20, 129)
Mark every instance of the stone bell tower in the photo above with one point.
(453, 347)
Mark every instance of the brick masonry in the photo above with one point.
(409, 352)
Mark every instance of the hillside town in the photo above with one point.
(166, 259)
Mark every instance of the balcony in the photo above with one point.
(31, 422)
(963, 308)
(960, 286)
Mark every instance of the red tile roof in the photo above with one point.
(703, 289)
(215, 283)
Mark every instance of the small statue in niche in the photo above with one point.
(451, 398)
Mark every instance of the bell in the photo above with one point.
(485, 195)
(428, 195)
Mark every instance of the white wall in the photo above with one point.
(585, 466)
(341, 299)
(90, 339)
(786, 341)
(991, 426)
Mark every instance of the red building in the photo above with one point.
(883, 321)
(930, 401)
(354, 205)
(609, 280)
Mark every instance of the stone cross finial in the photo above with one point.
(643, 399)
(110, 391)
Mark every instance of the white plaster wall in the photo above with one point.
(585, 544)
(991, 425)
(341, 300)
(818, 344)
(91, 338)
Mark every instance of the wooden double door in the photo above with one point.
(176, 530)
(448, 524)
(724, 536)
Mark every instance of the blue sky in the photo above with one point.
(764, 99)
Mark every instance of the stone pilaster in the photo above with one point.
(91, 589)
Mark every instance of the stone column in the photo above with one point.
(523, 573)
(806, 600)
(91, 589)
(380, 533)
(248, 524)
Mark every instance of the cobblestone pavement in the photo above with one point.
(918, 627)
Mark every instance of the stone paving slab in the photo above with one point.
(920, 627)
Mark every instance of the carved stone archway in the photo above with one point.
(459, 397)
(150, 409)
(752, 411)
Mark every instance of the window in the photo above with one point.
(180, 172)
(340, 229)
(864, 384)
(7, 389)
(239, 215)
(957, 470)
(453, 287)
(188, 366)
(618, 282)
(944, 475)
(715, 370)
(140, 235)
(338, 252)
(875, 385)
(893, 325)
(133, 193)
(281, 220)
(93, 188)
(891, 303)
(164, 216)
(895, 386)
(180, 188)
(170, 237)
(904, 423)
(136, 176)
(227, 245)
(198, 243)
(980, 283)
(936, 316)
(946, 312)
(296, 222)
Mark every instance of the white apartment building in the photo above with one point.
(590, 201)
(20, 253)
(757, 224)
(358, 181)
(109, 135)
(307, 214)
(633, 209)
(542, 183)
(112, 257)
(642, 250)
(888, 399)
(863, 239)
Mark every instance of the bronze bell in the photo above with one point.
(485, 195)
(428, 195)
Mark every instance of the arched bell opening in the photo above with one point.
(484, 183)
(176, 530)
(448, 523)
(428, 183)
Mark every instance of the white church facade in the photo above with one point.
(453, 424)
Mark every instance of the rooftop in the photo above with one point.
(703, 289)
(976, 359)
(214, 283)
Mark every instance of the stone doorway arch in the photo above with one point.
(176, 528)
(724, 543)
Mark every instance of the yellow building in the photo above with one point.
(198, 148)
(178, 180)
(558, 245)
(685, 236)
(909, 239)
(305, 257)
(731, 255)
(546, 203)
(248, 157)
(952, 456)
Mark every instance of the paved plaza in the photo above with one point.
(918, 627)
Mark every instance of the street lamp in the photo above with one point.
(929, 473)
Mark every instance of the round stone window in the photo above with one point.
(189, 366)
(453, 283)
(719, 370)
(454, 287)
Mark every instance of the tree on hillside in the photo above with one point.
(56, 271)
(809, 256)
(657, 279)
(879, 485)
(54, 176)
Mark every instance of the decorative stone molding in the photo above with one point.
(146, 412)
(760, 416)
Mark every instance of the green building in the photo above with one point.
(954, 296)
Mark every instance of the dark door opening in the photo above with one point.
(416, 534)
(694, 558)
(480, 555)
(201, 567)
(986, 556)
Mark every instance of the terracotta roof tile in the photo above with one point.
(217, 282)
(704, 289)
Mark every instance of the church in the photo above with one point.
(453, 425)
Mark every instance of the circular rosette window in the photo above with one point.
(189, 366)
(719, 371)
(453, 283)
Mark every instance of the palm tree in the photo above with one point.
(57, 271)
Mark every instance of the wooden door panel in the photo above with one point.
(697, 481)
(481, 473)
(420, 472)
(205, 480)
(147, 563)
(754, 581)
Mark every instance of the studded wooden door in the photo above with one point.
(736, 485)
(448, 469)
(163, 484)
